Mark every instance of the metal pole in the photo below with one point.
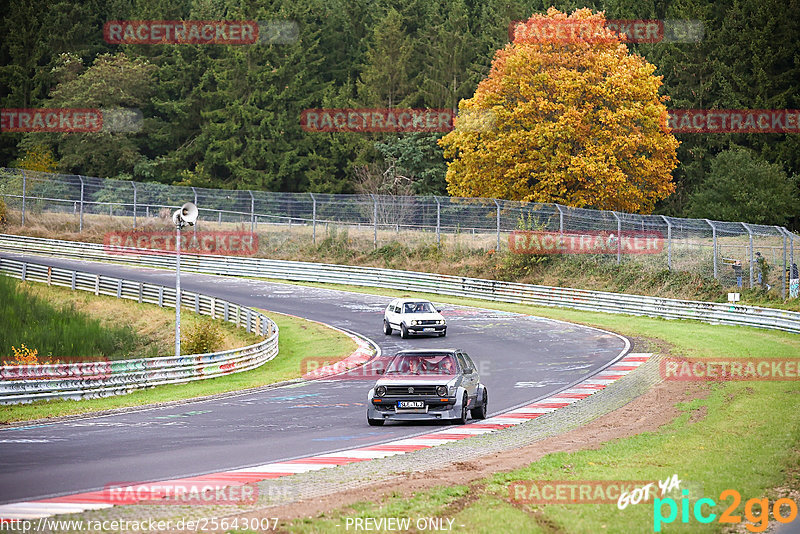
(178, 290)
(252, 211)
(438, 220)
(751, 252)
(24, 187)
(560, 219)
(194, 227)
(374, 221)
(313, 219)
(81, 223)
(619, 237)
(669, 242)
(783, 273)
(497, 248)
(714, 233)
(134, 203)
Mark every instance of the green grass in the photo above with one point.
(59, 331)
(298, 339)
(748, 440)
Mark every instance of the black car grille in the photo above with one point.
(404, 390)
(426, 322)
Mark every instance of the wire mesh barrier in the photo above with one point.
(81, 380)
(737, 254)
(476, 288)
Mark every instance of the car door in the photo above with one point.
(470, 381)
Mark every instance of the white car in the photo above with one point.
(417, 316)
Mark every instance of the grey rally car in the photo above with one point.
(429, 384)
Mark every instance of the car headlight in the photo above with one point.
(413, 323)
(380, 391)
(441, 391)
(441, 321)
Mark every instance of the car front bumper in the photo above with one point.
(437, 408)
(428, 329)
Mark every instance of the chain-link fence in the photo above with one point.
(738, 254)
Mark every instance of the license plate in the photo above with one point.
(428, 329)
(410, 404)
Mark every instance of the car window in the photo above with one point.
(470, 362)
(418, 307)
(462, 362)
(422, 364)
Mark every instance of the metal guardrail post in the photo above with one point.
(619, 237)
(669, 242)
(252, 211)
(80, 226)
(497, 249)
(313, 218)
(714, 234)
(24, 188)
(751, 252)
(438, 220)
(560, 219)
(134, 202)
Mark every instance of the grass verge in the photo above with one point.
(743, 436)
(298, 339)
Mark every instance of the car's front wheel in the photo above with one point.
(463, 419)
(386, 328)
(403, 331)
(479, 412)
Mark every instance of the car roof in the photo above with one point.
(407, 299)
(428, 351)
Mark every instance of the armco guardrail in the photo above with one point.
(710, 312)
(27, 383)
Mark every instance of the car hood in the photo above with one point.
(410, 380)
(423, 316)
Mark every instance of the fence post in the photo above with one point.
(783, 272)
(313, 218)
(714, 234)
(374, 221)
(497, 248)
(194, 226)
(134, 203)
(751, 252)
(619, 239)
(24, 187)
(560, 219)
(669, 242)
(252, 211)
(438, 220)
(80, 229)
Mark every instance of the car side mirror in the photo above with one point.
(438, 310)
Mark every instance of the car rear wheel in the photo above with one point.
(386, 328)
(403, 331)
(463, 419)
(479, 412)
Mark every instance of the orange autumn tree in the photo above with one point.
(566, 115)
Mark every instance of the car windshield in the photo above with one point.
(422, 364)
(419, 307)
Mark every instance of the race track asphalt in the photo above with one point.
(521, 358)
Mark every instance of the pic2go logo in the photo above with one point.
(759, 518)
